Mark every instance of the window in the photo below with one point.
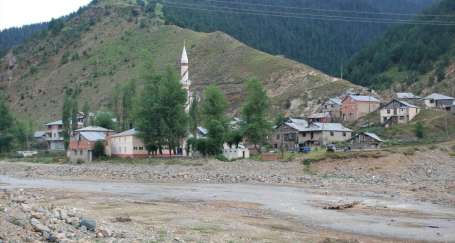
(332, 134)
(388, 111)
(135, 148)
(304, 134)
(278, 136)
(401, 117)
(344, 134)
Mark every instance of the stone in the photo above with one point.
(105, 232)
(17, 217)
(89, 223)
(38, 226)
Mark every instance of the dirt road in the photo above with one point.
(375, 215)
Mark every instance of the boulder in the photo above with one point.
(38, 226)
(90, 224)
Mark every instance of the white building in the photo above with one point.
(398, 112)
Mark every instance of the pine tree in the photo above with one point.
(256, 106)
(86, 111)
(194, 117)
(74, 115)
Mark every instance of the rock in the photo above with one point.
(38, 226)
(105, 232)
(17, 217)
(89, 223)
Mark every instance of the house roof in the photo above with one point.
(319, 115)
(334, 127)
(364, 98)
(202, 130)
(130, 132)
(335, 100)
(436, 96)
(94, 136)
(39, 134)
(59, 122)
(297, 123)
(94, 129)
(373, 136)
(407, 95)
(401, 102)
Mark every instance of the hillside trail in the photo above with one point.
(367, 214)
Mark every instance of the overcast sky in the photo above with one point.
(15, 13)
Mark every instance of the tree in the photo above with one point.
(123, 103)
(214, 106)
(74, 114)
(256, 127)
(148, 118)
(419, 130)
(23, 133)
(194, 117)
(172, 100)
(86, 111)
(66, 118)
(234, 137)
(105, 119)
(6, 124)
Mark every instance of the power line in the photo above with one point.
(332, 10)
(305, 16)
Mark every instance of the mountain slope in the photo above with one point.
(15, 36)
(109, 42)
(419, 57)
(309, 38)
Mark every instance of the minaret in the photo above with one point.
(186, 82)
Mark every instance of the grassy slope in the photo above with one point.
(118, 46)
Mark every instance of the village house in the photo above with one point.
(397, 112)
(126, 145)
(366, 140)
(356, 106)
(55, 136)
(439, 101)
(294, 134)
(82, 143)
(333, 107)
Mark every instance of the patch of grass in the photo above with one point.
(452, 154)
(206, 229)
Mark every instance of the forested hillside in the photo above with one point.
(14, 36)
(323, 34)
(112, 42)
(417, 56)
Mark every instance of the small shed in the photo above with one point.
(366, 140)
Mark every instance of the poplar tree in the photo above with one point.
(66, 118)
(213, 110)
(255, 108)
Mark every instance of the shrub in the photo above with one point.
(452, 154)
(419, 130)
(221, 157)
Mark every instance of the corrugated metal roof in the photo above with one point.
(59, 122)
(202, 130)
(374, 136)
(94, 129)
(39, 134)
(130, 132)
(407, 104)
(364, 98)
(407, 95)
(336, 100)
(436, 96)
(335, 127)
(94, 136)
(319, 115)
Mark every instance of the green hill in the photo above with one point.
(416, 57)
(111, 42)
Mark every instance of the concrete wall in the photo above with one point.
(236, 153)
(352, 110)
(127, 147)
(79, 155)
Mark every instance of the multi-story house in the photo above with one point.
(55, 136)
(294, 134)
(397, 112)
(356, 106)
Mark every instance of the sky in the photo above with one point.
(15, 13)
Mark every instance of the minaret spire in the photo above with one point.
(184, 72)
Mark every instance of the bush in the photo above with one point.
(419, 130)
(409, 152)
(221, 157)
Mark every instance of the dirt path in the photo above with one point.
(374, 215)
